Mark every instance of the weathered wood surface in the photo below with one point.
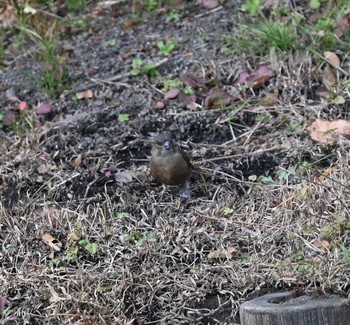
(283, 309)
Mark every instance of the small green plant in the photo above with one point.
(262, 35)
(92, 248)
(253, 7)
(55, 75)
(75, 4)
(282, 36)
(137, 64)
(54, 72)
(172, 16)
(140, 67)
(143, 239)
(294, 128)
(228, 211)
(2, 50)
(1, 119)
(263, 118)
(123, 118)
(56, 262)
(305, 268)
(266, 180)
(165, 48)
(72, 254)
(323, 34)
(170, 84)
(314, 4)
(325, 24)
(76, 21)
(188, 90)
(150, 5)
(346, 253)
(112, 42)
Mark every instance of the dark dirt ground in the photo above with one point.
(152, 265)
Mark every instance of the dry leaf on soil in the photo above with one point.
(259, 77)
(328, 76)
(44, 109)
(256, 79)
(7, 16)
(192, 81)
(172, 93)
(84, 94)
(222, 253)
(78, 161)
(188, 101)
(9, 117)
(218, 98)
(328, 131)
(210, 4)
(52, 242)
(22, 106)
(159, 105)
(123, 177)
(321, 244)
(332, 58)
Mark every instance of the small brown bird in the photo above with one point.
(169, 165)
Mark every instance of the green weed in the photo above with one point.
(123, 118)
(31, 26)
(140, 67)
(253, 7)
(172, 16)
(165, 48)
(151, 5)
(170, 84)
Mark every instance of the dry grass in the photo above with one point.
(152, 265)
(274, 226)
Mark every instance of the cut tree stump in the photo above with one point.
(284, 309)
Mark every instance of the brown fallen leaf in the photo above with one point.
(218, 98)
(86, 94)
(188, 101)
(52, 242)
(321, 244)
(172, 93)
(7, 16)
(222, 253)
(44, 109)
(328, 76)
(322, 91)
(210, 4)
(332, 58)
(259, 77)
(242, 77)
(159, 105)
(78, 161)
(328, 131)
(9, 117)
(193, 81)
